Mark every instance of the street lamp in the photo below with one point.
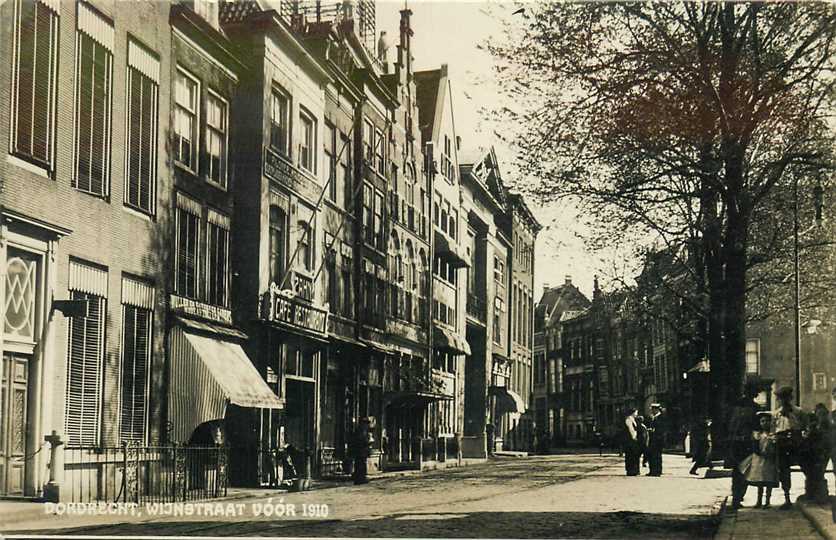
(818, 195)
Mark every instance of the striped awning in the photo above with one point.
(448, 340)
(207, 373)
(507, 401)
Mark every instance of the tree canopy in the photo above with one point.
(679, 124)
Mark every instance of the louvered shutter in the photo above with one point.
(135, 366)
(84, 380)
(92, 115)
(143, 73)
(34, 83)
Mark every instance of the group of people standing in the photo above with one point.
(763, 446)
(644, 440)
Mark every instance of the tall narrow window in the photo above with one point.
(186, 95)
(368, 213)
(278, 228)
(380, 241)
(368, 142)
(188, 233)
(34, 82)
(137, 321)
(280, 122)
(380, 152)
(307, 146)
(94, 58)
(305, 243)
(347, 301)
(216, 139)
(331, 161)
(348, 177)
(217, 271)
(753, 352)
(141, 154)
(86, 356)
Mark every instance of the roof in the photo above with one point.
(427, 85)
(556, 300)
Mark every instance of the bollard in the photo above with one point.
(52, 489)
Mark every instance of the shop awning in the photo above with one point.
(207, 373)
(453, 253)
(507, 400)
(446, 339)
(409, 399)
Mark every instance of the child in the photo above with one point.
(761, 469)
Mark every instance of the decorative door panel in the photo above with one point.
(13, 422)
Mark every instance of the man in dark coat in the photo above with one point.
(656, 430)
(360, 449)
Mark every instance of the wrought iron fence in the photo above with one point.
(139, 474)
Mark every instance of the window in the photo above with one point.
(348, 304)
(499, 271)
(188, 233)
(331, 292)
(280, 122)
(331, 161)
(218, 259)
(379, 151)
(498, 308)
(85, 356)
(278, 229)
(819, 382)
(141, 143)
(94, 59)
(216, 139)
(34, 82)
(305, 245)
(368, 213)
(378, 220)
(454, 224)
(137, 321)
(186, 94)
(437, 210)
(348, 184)
(307, 146)
(368, 142)
(753, 350)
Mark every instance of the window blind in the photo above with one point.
(136, 358)
(84, 373)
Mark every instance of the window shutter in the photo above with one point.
(84, 380)
(143, 73)
(42, 125)
(135, 367)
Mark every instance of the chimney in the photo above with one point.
(568, 280)
(596, 290)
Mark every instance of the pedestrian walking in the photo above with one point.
(760, 468)
(656, 439)
(787, 423)
(360, 449)
(631, 443)
(742, 422)
(702, 448)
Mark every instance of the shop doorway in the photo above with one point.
(13, 413)
(299, 414)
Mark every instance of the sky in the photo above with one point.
(449, 32)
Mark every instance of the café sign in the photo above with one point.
(282, 306)
(200, 310)
(282, 171)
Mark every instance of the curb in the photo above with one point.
(824, 526)
(727, 521)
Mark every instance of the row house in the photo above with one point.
(118, 287)
(549, 399)
(523, 228)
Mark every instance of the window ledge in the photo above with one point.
(185, 168)
(136, 212)
(218, 185)
(29, 166)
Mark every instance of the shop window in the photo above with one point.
(34, 82)
(94, 58)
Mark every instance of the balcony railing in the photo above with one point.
(477, 307)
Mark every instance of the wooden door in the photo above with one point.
(13, 414)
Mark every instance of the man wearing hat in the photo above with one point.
(360, 449)
(656, 430)
(787, 424)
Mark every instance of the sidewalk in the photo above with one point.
(803, 521)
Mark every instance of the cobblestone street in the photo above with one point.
(569, 496)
